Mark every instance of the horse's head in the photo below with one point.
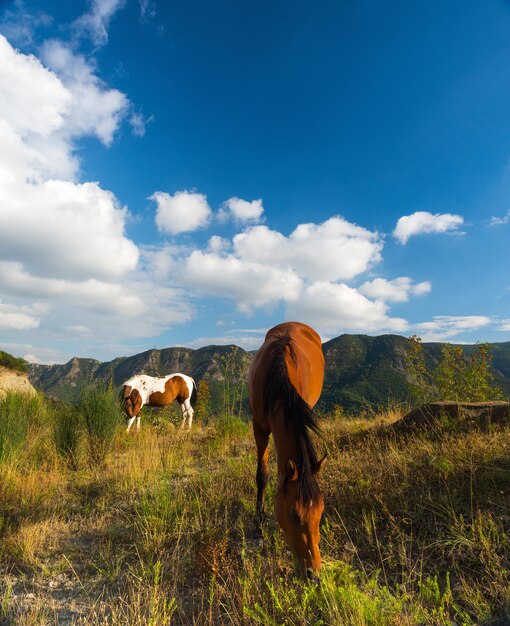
(131, 401)
(299, 507)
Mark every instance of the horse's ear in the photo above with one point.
(291, 469)
(126, 391)
(316, 467)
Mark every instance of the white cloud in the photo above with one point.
(446, 326)
(396, 290)
(95, 109)
(423, 222)
(65, 230)
(96, 22)
(185, 211)
(332, 307)
(250, 284)
(138, 123)
(504, 325)
(499, 221)
(147, 10)
(61, 241)
(19, 317)
(333, 250)
(264, 268)
(241, 210)
(218, 244)
(55, 227)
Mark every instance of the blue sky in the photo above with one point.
(188, 173)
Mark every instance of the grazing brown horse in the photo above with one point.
(285, 382)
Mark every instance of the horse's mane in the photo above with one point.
(279, 392)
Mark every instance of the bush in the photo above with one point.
(12, 363)
(17, 412)
(100, 410)
(67, 433)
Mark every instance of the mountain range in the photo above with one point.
(361, 371)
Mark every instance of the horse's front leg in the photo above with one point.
(130, 423)
(262, 441)
(138, 421)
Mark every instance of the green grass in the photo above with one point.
(162, 531)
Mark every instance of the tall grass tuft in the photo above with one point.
(67, 434)
(17, 412)
(100, 411)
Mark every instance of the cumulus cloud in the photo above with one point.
(95, 109)
(334, 306)
(396, 290)
(446, 326)
(96, 22)
(241, 210)
(185, 211)
(62, 241)
(264, 268)
(98, 296)
(423, 222)
(333, 250)
(249, 284)
(18, 317)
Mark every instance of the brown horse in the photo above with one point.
(285, 382)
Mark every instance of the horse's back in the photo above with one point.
(305, 370)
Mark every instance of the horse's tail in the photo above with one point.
(193, 398)
(280, 393)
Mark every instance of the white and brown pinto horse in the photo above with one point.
(143, 390)
(285, 382)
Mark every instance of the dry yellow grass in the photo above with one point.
(415, 531)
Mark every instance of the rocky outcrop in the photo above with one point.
(457, 415)
(12, 380)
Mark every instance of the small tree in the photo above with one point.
(202, 406)
(419, 379)
(479, 385)
(454, 378)
(233, 368)
(450, 374)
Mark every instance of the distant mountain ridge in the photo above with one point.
(361, 370)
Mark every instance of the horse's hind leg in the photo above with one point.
(262, 441)
(189, 412)
(184, 414)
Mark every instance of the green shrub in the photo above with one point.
(17, 412)
(100, 410)
(67, 433)
(12, 363)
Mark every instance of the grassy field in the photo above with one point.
(158, 528)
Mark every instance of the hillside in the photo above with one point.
(14, 375)
(361, 370)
